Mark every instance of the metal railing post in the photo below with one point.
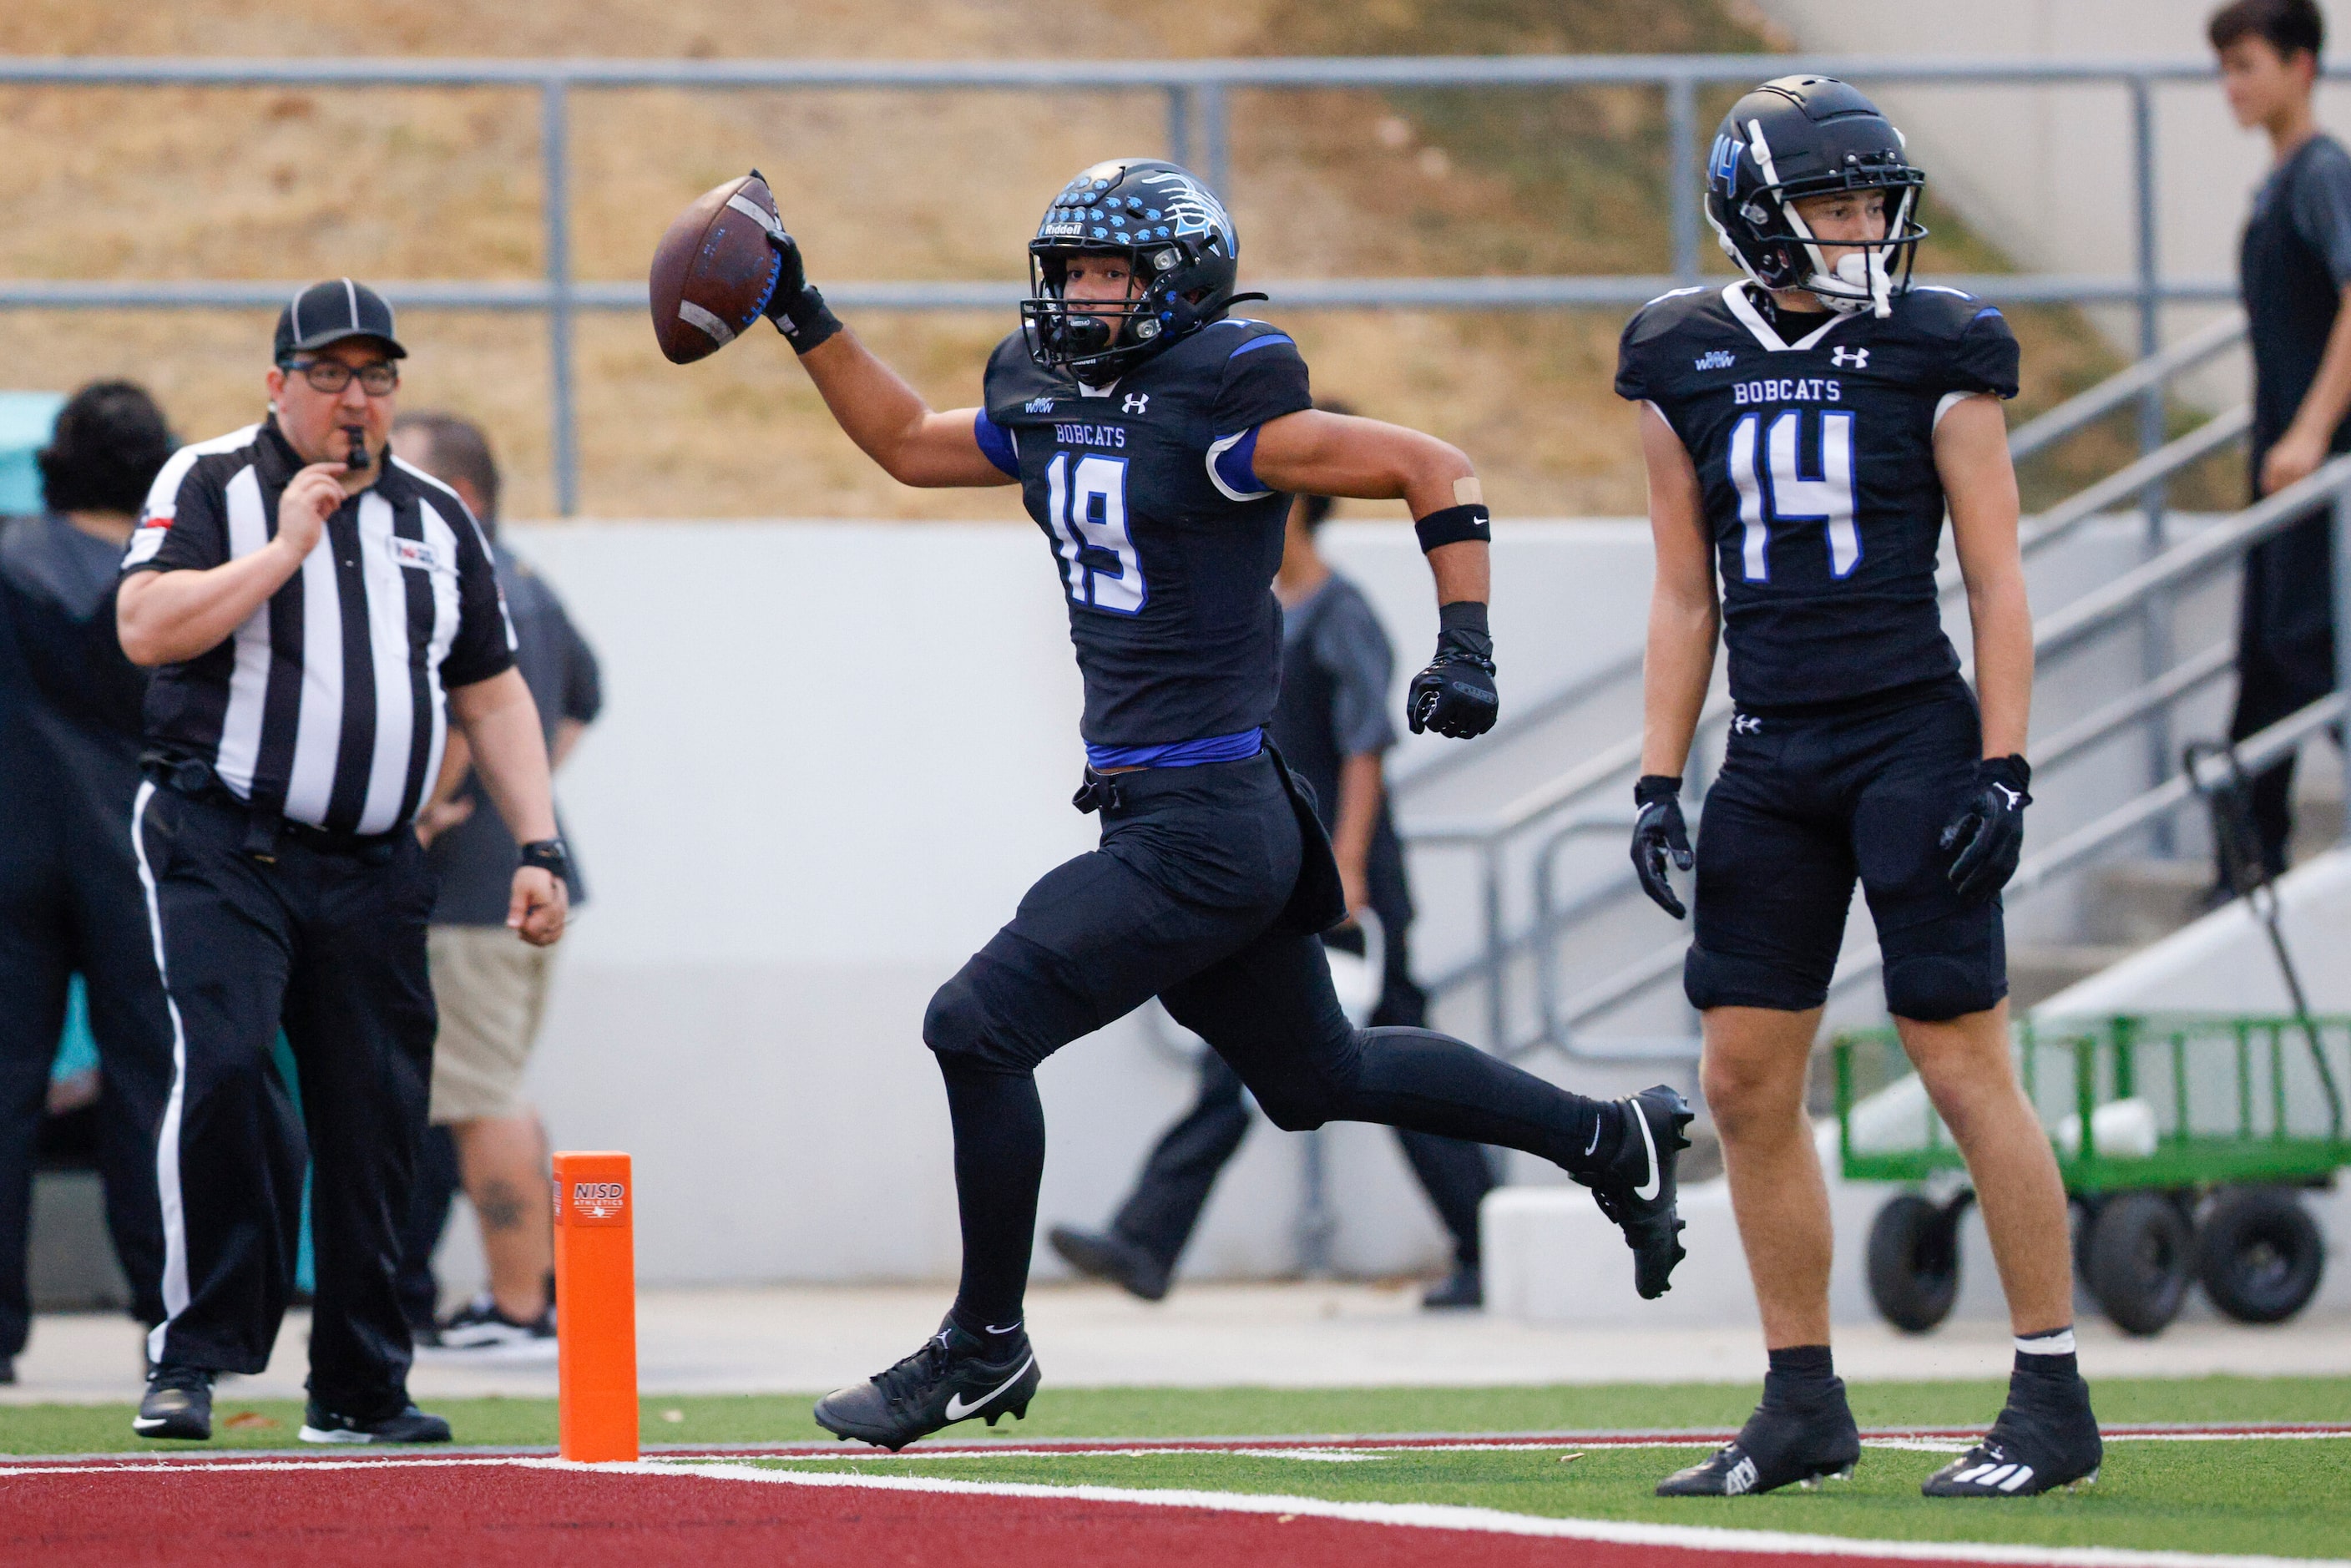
(555, 173)
(2155, 627)
(1180, 126)
(1681, 169)
(2343, 636)
(1497, 956)
(1217, 133)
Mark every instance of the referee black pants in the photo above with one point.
(329, 941)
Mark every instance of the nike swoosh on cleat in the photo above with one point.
(148, 1424)
(1649, 1190)
(958, 1409)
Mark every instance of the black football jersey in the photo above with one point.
(1165, 542)
(1817, 461)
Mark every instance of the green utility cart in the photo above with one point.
(2185, 1142)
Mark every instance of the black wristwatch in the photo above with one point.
(549, 856)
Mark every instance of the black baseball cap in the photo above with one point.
(328, 312)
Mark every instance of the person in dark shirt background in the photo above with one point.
(70, 898)
(1332, 727)
(491, 989)
(2294, 268)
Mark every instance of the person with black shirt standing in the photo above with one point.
(491, 990)
(1332, 727)
(2295, 268)
(69, 897)
(312, 603)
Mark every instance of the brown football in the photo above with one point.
(713, 268)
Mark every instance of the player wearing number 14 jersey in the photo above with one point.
(1806, 430)
(1155, 438)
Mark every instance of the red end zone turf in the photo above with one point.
(465, 1512)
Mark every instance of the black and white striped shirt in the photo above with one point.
(325, 704)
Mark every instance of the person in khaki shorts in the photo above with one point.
(491, 989)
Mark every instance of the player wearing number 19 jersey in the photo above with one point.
(1806, 430)
(1155, 436)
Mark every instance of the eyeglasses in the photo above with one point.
(381, 379)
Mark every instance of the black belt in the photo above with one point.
(265, 825)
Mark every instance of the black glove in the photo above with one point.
(1659, 835)
(1986, 835)
(794, 306)
(1455, 696)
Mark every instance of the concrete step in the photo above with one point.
(2134, 903)
(2038, 970)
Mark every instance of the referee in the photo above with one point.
(310, 603)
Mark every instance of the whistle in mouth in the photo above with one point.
(358, 459)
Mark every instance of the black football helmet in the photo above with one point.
(1177, 236)
(1807, 136)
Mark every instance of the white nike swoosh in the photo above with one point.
(143, 1423)
(958, 1409)
(1595, 1138)
(1656, 1177)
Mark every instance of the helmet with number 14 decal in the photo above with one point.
(1811, 136)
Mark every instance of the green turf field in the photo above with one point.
(1238, 1412)
(2280, 1498)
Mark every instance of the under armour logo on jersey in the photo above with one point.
(1136, 402)
(1746, 724)
(1718, 359)
(1858, 359)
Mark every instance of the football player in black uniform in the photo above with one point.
(1804, 430)
(1156, 438)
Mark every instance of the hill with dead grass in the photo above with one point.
(254, 183)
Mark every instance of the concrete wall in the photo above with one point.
(834, 755)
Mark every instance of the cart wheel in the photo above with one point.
(2259, 1254)
(1914, 1261)
(2138, 1258)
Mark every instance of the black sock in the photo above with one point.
(999, 1157)
(1431, 1082)
(2048, 1356)
(1801, 1373)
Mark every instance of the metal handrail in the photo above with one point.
(1198, 112)
(2087, 407)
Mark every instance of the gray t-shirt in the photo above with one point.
(475, 860)
(1351, 648)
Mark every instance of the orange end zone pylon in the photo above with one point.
(596, 1306)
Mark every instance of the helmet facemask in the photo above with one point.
(1097, 341)
(1777, 249)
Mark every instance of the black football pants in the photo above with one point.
(1161, 1213)
(1186, 899)
(70, 904)
(329, 941)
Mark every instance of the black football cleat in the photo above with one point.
(1637, 1190)
(407, 1424)
(2046, 1437)
(179, 1404)
(1781, 1445)
(944, 1381)
(1107, 1255)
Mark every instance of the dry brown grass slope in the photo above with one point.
(288, 184)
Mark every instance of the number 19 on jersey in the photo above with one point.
(1087, 502)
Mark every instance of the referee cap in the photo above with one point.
(328, 312)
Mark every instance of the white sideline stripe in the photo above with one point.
(1412, 1515)
(169, 1196)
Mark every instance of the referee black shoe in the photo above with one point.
(948, 1380)
(408, 1425)
(1781, 1444)
(1107, 1255)
(179, 1404)
(1636, 1191)
(2046, 1437)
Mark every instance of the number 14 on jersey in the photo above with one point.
(1774, 487)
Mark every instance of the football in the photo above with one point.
(714, 269)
